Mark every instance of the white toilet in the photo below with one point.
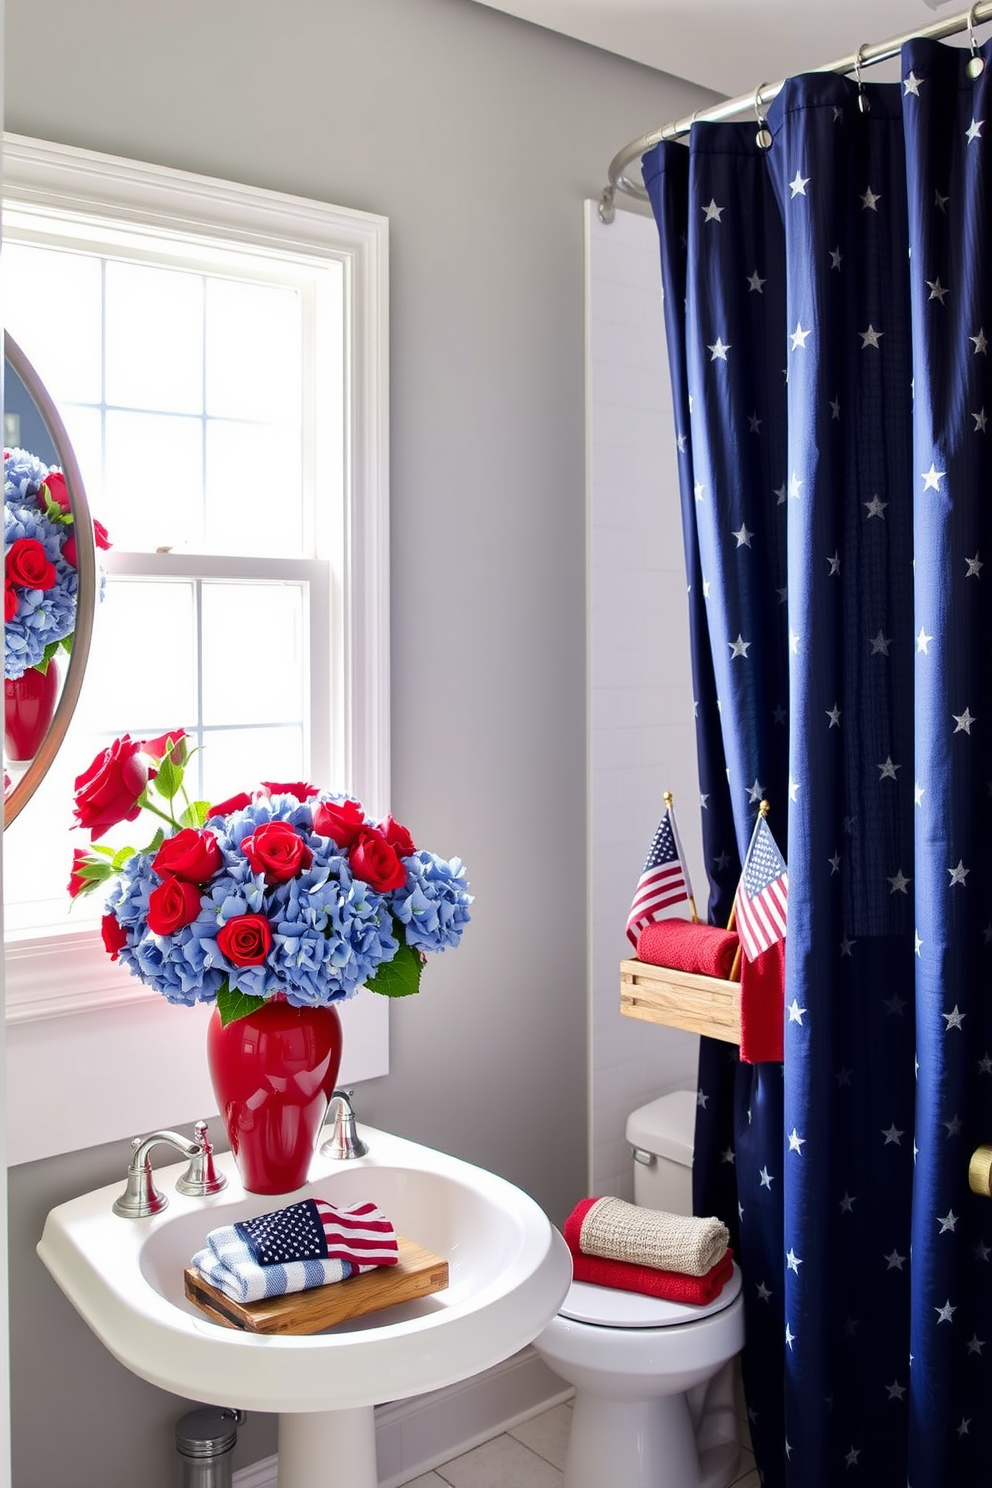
(654, 1402)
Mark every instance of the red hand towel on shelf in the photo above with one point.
(671, 1286)
(683, 946)
(763, 1005)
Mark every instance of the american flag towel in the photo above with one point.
(305, 1245)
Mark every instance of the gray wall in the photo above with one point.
(478, 136)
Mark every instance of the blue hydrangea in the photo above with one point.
(330, 930)
(44, 616)
(433, 906)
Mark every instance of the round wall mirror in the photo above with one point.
(40, 429)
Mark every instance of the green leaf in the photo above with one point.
(232, 1004)
(121, 857)
(108, 852)
(155, 843)
(195, 814)
(91, 875)
(399, 977)
(169, 778)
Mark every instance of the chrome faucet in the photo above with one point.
(141, 1198)
(344, 1141)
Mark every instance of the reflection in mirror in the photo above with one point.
(38, 419)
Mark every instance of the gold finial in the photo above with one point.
(668, 799)
(764, 808)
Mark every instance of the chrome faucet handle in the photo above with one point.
(344, 1141)
(140, 1197)
(201, 1177)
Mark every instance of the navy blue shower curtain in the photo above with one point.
(829, 318)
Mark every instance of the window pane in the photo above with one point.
(85, 430)
(233, 760)
(153, 492)
(254, 497)
(141, 673)
(52, 307)
(253, 350)
(154, 338)
(253, 653)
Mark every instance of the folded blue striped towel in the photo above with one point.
(307, 1244)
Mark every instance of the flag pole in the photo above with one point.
(668, 798)
(735, 970)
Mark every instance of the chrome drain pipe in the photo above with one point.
(205, 1440)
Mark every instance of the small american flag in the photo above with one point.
(316, 1230)
(664, 879)
(762, 894)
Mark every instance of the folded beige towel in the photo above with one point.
(619, 1231)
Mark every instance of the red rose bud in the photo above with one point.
(28, 564)
(110, 790)
(172, 905)
(10, 601)
(375, 863)
(77, 882)
(342, 823)
(233, 803)
(114, 935)
(297, 788)
(193, 855)
(277, 850)
(398, 837)
(69, 550)
(100, 535)
(158, 748)
(245, 939)
(58, 491)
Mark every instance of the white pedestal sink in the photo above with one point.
(509, 1273)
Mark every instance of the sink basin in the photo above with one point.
(509, 1272)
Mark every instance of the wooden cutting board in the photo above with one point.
(418, 1273)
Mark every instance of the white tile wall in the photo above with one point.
(641, 739)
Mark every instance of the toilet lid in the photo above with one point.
(608, 1307)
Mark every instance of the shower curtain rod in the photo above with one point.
(880, 51)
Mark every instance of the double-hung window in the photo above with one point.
(218, 356)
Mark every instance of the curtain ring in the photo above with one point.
(976, 64)
(864, 103)
(763, 138)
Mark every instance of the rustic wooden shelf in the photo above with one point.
(681, 999)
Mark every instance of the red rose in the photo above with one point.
(277, 850)
(375, 863)
(110, 790)
(28, 564)
(76, 880)
(342, 823)
(193, 855)
(398, 837)
(10, 601)
(245, 939)
(233, 803)
(174, 740)
(172, 905)
(298, 788)
(99, 537)
(58, 491)
(114, 935)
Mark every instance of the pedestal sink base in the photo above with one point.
(328, 1449)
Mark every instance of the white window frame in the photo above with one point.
(48, 977)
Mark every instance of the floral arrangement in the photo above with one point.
(288, 891)
(40, 579)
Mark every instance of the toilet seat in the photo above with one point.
(609, 1307)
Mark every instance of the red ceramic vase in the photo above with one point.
(273, 1073)
(29, 707)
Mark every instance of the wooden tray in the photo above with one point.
(418, 1273)
(681, 999)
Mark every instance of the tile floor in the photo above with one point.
(531, 1455)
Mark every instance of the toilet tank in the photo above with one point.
(661, 1137)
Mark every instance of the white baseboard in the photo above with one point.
(414, 1436)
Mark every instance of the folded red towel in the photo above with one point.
(763, 1006)
(683, 946)
(671, 1286)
